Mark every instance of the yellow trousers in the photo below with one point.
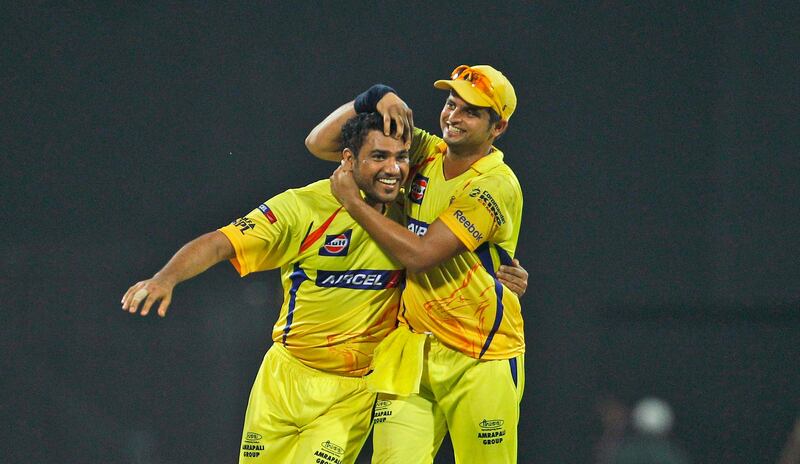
(299, 415)
(476, 401)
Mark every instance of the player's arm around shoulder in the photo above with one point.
(440, 244)
(415, 253)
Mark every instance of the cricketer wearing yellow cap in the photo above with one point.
(456, 361)
(309, 402)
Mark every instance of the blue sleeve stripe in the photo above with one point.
(498, 317)
(505, 257)
(297, 277)
(485, 256)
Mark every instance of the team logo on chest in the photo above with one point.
(337, 244)
(418, 187)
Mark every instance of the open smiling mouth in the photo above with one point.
(454, 130)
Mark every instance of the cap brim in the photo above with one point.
(466, 91)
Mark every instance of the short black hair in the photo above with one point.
(494, 116)
(355, 130)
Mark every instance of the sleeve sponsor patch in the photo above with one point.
(244, 224)
(268, 213)
(487, 201)
(471, 228)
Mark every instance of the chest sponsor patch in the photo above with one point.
(337, 244)
(268, 213)
(360, 279)
(418, 188)
(418, 227)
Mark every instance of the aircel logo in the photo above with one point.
(468, 225)
(491, 424)
(418, 227)
(359, 279)
(332, 447)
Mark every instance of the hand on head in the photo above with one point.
(396, 113)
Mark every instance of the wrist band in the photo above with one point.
(366, 102)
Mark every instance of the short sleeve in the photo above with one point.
(264, 238)
(479, 211)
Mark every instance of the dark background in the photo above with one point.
(657, 146)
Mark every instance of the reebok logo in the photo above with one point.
(476, 234)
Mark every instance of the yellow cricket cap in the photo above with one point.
(482, 85)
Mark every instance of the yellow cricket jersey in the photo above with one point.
(341, 293)
(460, 301)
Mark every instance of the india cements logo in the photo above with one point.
(418, 187)
(336, 245)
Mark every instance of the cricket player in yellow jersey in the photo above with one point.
(309, 403)
(456, 361)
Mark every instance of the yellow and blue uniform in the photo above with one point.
(460, 301)
(470, 360)
(341, 297)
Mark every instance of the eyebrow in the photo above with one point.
(387, 152)
(467, 105)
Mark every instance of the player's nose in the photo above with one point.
(391, 166)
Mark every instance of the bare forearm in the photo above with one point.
(415, 253)
(324, 141)
(196, 256)
(192, 259)
(402, 244)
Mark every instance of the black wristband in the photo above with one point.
(367, 101)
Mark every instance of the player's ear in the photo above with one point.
(348, 159)
(499, 127)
